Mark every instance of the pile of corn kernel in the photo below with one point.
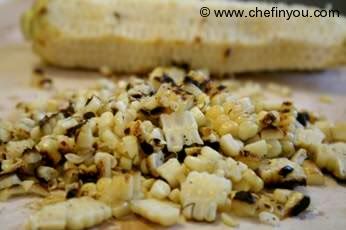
(172, 147)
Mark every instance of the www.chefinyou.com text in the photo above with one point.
(274, 12)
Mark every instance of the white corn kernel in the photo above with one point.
(125, 163)
(121, 209)
(198, 115)
(160, 190)
(274, 148)
(131, 146)
(247, 129)
(175, 196)
(258, 148)
(228, 220)
(171, 171)
(300, 156)
(339, 132)
(230, 146)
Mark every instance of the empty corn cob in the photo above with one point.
(136, 35)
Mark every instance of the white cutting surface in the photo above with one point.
(17, 62)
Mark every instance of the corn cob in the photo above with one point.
(136, 36)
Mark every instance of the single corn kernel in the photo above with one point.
(175, 196)
(228, 220)
(125, 163)
(247, 129)
(160, 190)
(230, 146)
(121, 209)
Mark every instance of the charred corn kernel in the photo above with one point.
(259, 148)
(49, 145)
(230, 146)
(175, 196)
(228, 220)
(160, 190)
(314, 175)
(247, 129)
(281, 171)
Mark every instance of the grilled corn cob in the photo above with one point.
(93, 34)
